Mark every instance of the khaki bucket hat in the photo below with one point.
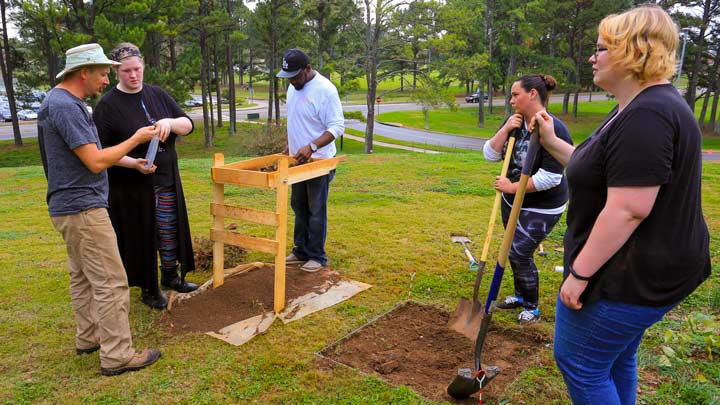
(84, 55)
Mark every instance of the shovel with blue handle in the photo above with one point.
(469, 381)
(468, 314)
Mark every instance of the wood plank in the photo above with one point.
(281, 209)
(254, 163)
(313, 169)
(248, 178)
(244, 241)
(245, 214)
(218, 222)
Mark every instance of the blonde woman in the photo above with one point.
(636, 242)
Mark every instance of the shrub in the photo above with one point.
(261, 140)
(354, 115)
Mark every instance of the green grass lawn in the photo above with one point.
(371, 238)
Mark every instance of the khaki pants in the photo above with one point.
(98, 285)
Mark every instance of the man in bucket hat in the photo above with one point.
(74, 164)
(314, 119)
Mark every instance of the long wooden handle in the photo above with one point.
(519, 196)
(496, 203)
(512, 220)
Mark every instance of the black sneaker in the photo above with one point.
(511, 302)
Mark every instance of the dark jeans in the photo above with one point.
(596, 349)
(532, 228)
(309, 202)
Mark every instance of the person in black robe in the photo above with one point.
(147, 204)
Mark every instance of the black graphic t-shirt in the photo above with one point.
(545, 199)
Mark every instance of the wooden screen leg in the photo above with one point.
(281, 209)
(218, 224)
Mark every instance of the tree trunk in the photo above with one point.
(231, 88)
(217, 84)
(578, 66)
(481, 110)
(712, 90)
(203, 79)
(173, 53)
(713, 110)
(251, 71)
(575, 103)
(690, 94)
(372, 40)
(271, 93)
(7, 73)
(490, 95)
(566, 101)
(703, 109)
(231, 77)
(512, 67)
(490, 33)
(277, 99)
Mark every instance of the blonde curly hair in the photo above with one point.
(642, 40)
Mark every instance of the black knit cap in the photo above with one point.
(293, 62)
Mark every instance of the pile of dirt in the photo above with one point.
(203, 252)
(412, 346)
(242, 296)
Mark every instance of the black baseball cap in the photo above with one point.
(293, 62)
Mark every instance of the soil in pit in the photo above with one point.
(241, 297)
(412, 346)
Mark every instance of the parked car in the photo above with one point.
(195, 101)
(475, 97)
(26, 115)
(5, 115)
(38, 94)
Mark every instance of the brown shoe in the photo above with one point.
(139, 361)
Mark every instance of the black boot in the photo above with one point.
(155, 300)
(169, 278)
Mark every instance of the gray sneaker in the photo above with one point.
(292, 259)
(311, 266)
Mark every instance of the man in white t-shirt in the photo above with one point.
(315, 119)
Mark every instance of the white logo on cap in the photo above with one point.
(285, 64)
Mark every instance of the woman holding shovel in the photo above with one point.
(546, 191)
(636, 242)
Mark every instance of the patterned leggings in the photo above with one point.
(532, 228)
(166, 219)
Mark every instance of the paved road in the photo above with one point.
(418, 137)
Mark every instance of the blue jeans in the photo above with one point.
(596, 349)
(309, 202)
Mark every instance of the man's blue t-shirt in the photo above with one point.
(63, 125)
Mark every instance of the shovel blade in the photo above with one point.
(467, 318)
(464, 384)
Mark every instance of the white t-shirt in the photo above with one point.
(312, 111)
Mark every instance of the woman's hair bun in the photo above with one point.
(550, 82)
